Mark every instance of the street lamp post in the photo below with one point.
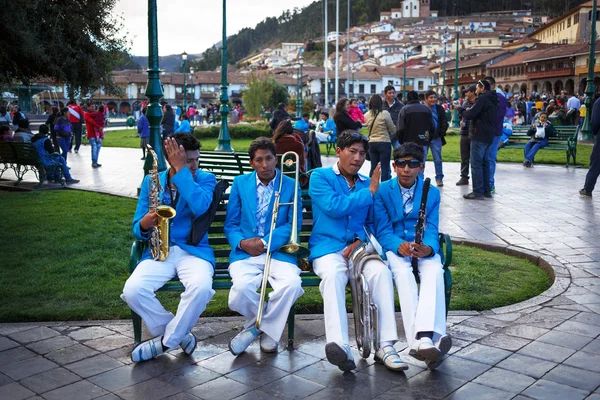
(586, 129)
(352, 91)
(458, 24)
(193, 86)
(224, 139)
(299, 99)
(184, 57)
(445, 39)
(154, 91)
(405, 51)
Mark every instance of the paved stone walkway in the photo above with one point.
(547, 347)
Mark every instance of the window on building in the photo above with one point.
(351, 87)
(414, 7)
(468, 42)
(568, 22)
(478, 41)
(178, 89)
(373, 89)
(490, 41)
(390, 83)
(361, 88)
(420, 85)
(575, 19)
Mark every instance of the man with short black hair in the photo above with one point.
(248, 231)
(437, 138)
(415, 122)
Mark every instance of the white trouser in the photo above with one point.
(196, 276)
(322, 137)
(246, 276)
(424, 310)
(333, 271)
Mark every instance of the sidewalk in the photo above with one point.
(547, 347)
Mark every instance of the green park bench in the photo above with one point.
(217, 239)
(565, 140)
(22, 157)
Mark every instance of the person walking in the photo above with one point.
(483, 114)
(62, 126)
(437, 138)
(592, 175)
(76, 120)
(381, 131)
(143, 128)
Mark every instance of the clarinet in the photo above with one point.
(420, 226)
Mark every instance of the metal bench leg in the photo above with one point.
(291, 318)
(137, 328)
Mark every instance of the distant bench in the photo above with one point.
(22, 157)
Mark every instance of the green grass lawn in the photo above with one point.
(450, 152)
(66, 253)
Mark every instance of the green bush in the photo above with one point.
(238, 131)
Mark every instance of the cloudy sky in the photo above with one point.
(195, 25)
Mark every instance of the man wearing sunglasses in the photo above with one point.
(396, 207)
(342, 204)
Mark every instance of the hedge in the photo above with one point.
(237, 131)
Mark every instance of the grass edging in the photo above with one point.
(555, 270)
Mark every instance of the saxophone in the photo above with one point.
(159, 237)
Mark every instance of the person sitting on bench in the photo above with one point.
(540, 131)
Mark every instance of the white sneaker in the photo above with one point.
(424, 350)
(268, 344)
(147, 350)
(389, 357)
(242, 340)
(340, 356)
(188, 344)
(444, 344)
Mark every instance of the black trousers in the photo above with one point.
(594, 171)
(465, 155)
(76, 130)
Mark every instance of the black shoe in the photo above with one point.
(143, 158)
(439, 183)
(584, 192)
(488, 195)
(473, 196)
(72, 180)
(462, 182)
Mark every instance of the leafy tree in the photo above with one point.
(263, 91)
(72, 41)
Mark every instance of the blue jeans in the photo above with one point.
(381, 152)
(64, 144)
(480, 166)
(492, 160)
(532, 147)
(96, 145)
(592, 175)
(436, 152)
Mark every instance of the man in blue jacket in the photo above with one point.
(189, 191)
(248, 230)
(396, 212)
(342, 204)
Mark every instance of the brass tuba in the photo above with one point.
(293, 245)
(159, 237)
(364, 310)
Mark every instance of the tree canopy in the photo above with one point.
(72, 41)
(263, 91)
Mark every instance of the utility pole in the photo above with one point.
(326, 104)
(337, 50)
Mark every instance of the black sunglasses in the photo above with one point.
(356, 135)
(412, 164)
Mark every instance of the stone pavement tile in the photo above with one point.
(71, 354)
(93, 366)
(82, 390)
(152, 389)
(593, 396)
(587, 318)
(255, 395)
(547, 390)
(14, 391)
(188, 377)
(208, 330)
(10, 328)
(462, 368)
(14, 355)
(50, 380)
(6, 343)
(223, 339)
(488, 324)
(533, 367)
(525, 331)
(505, 380)
(574, 377)
(33, 335)
(509, 317)
(483, 354)
(109, 396)
(568, 340)
(546, 317)
(456, 319)
(315, 348)
(432, 385)
(227, 362)
(574, 307)
(257, 374)
(458, 344)
(579, 328)
(594, 308)
(476, 391)
(506, 342)
(206, 350)
(182, 396)
(122, 355)
(4, 380)
(163, 364)
(584, 360)
(291, 387)
(24, 368)
(398, 378)
(591, 298)
(92, 332)
(119, 378)
(221, 388)
(593, 347)
(291, 361)
(48, 345)
(108, 343)
(546, 351)
(467, 333)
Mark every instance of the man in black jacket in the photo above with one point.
(168, 121)
(392, 105)
(437, 138)
(483, 115)
(415, 122)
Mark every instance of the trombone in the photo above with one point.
(293, 245)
